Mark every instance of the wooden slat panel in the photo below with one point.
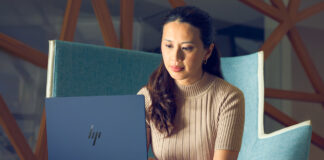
(41, 151)
(306, 61)
(70, 20)
(280, 5)
(1, 123)
(283, 11)
(14, 133)
(278, 115)
(274, 39)
(293, 6)
(317, 140)
(287, 121)
(126, 23)
(264, 8)
(293, 95)
(177, 3)
(310, 11)
(23, 51)
(105, 21)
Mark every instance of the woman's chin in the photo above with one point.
(177, 76)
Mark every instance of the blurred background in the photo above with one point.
(240, 30)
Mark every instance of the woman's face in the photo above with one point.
(183, 52)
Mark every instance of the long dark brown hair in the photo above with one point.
(161, 85)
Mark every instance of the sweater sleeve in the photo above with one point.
(148, 102)
(231, 121)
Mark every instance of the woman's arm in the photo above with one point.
(225, 155)
(230, 126)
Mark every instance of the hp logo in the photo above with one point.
(94, 135)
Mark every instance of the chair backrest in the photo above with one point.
(77, 69)
(291, 143)
(88, 70)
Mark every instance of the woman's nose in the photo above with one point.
(177, 56)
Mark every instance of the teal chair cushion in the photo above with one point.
(291, 143)
(88, 70)
(77, 69)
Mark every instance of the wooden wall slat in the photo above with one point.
(106, 24)
(280, 5)
(317, 140)
(126, 23)
(306, 61)
(310, 11)
(23, 51)
(41, 150)
(287, 121)
(15, 135)
(275, 37)
(293, 6)
(277, 115)
(293, 95)
(177, 3)
(264, 8)
(70, 20)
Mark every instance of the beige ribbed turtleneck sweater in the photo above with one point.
(210, 116)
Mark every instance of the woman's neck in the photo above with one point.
(196, 88)
(186, 82)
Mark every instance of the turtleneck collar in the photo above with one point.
(196, 88)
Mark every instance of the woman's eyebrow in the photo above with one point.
(181, 42)
(167, 40)
(187, 42)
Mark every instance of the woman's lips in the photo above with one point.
(176, 68)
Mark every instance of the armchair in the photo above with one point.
(76, 69)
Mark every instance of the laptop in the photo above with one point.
(96, 127)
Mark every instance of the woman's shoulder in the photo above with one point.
(223, 87)
(227, 94)
(143, 91)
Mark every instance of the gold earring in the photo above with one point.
(205, 61)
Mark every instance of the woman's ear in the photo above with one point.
(209, 51)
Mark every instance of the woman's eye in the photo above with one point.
(168, 46)
(187, 48)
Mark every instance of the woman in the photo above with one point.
(192, 113)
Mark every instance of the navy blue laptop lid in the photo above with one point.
(96, 127)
